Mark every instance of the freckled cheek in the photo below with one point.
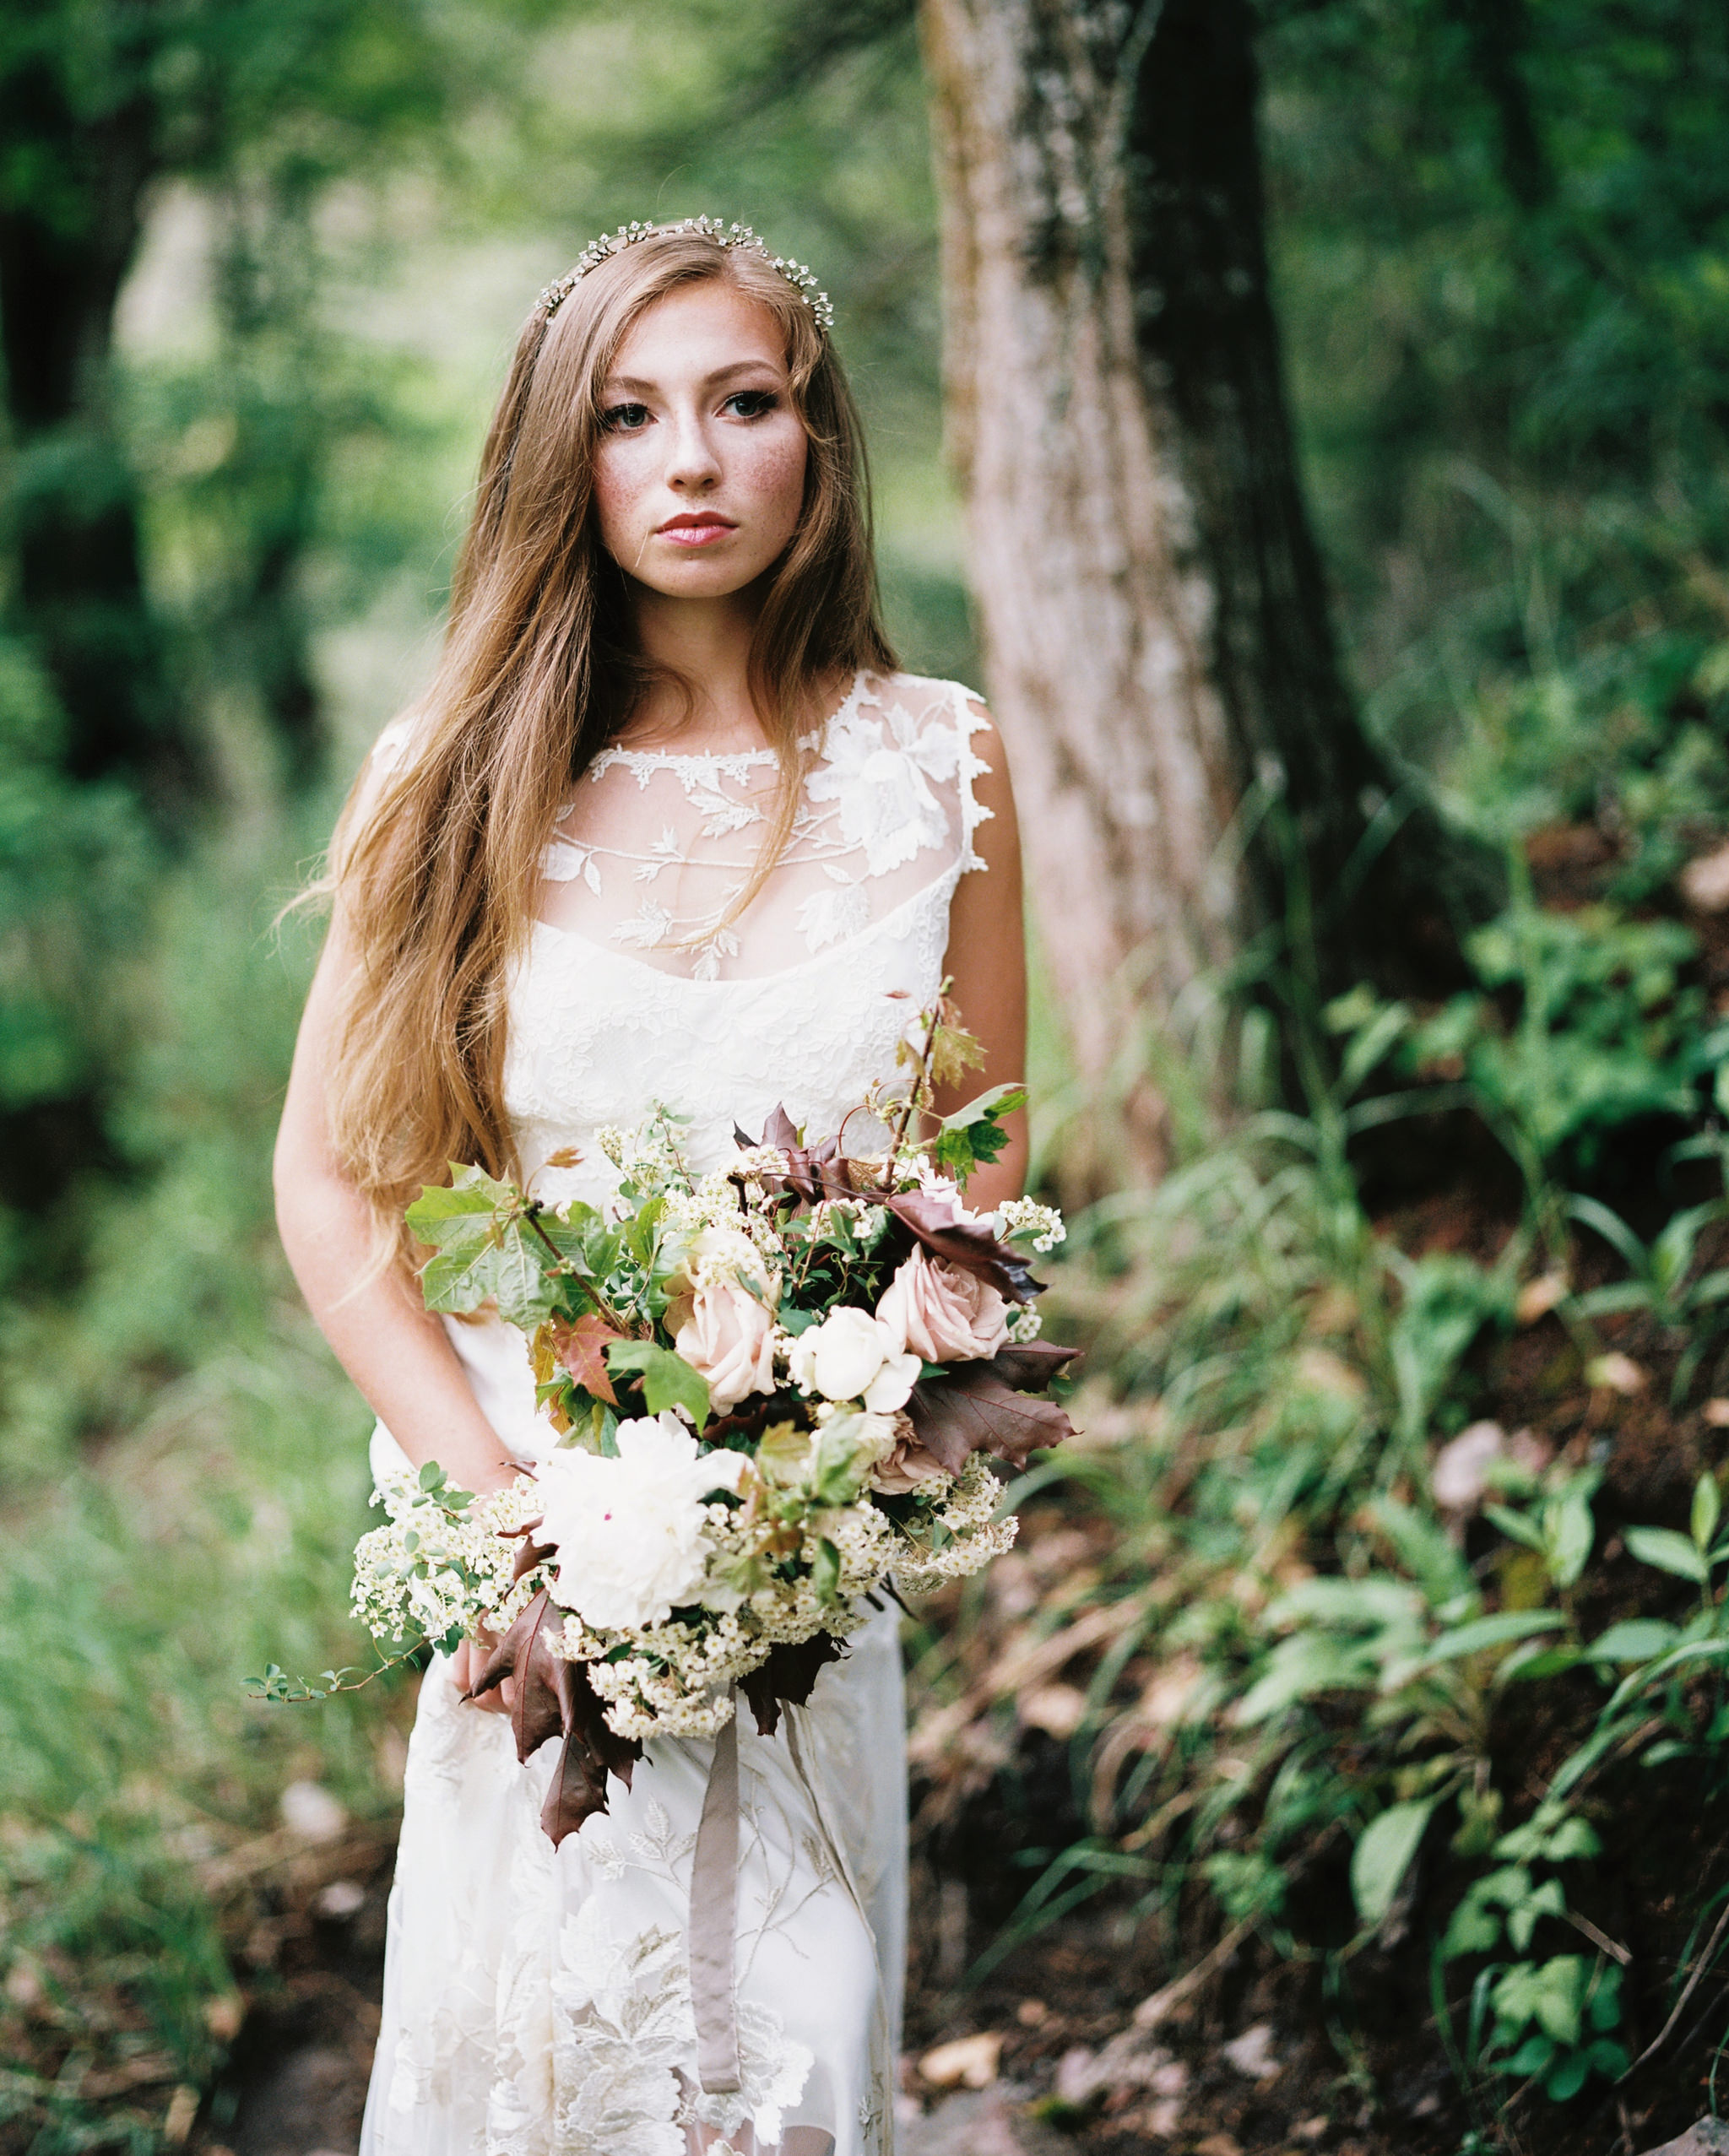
(621, 492)
(771, 476)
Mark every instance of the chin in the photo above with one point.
(703, 579)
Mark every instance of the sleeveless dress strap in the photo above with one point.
(970, 718)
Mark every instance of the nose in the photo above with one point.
(692, 465)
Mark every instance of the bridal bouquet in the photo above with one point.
(777, 1385)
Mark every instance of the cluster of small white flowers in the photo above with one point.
(790, 1612)
(865, 1538)
(677, 1679)
(678, 1683)
(714, 1203)
(645, 1700)
(754, 1162)
(646, 1156)
(1025, 1217)
(1025, 1323)
(975, 1536)
(436, 1573)
(869, 1224)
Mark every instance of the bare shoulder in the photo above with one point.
(390, 755)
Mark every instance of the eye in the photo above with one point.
(624, 419)
(750, 403)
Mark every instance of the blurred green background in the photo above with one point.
(293, 242)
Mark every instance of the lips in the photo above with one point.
(701, 529)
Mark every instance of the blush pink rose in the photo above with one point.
(906, 1464)
(942, 1312)
(726, 1336)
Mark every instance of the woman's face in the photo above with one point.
(700, 471)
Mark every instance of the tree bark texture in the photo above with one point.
(1151, 601)
(67, 240)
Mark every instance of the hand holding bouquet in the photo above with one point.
(779, 1387)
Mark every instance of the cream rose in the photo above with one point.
(727, 1336)
(851, 1355)
(942, 1312)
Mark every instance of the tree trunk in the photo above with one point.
(67, 240)
(1151, 601)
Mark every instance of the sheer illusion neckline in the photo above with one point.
(943, 881)
(658, 854)
(729, 762)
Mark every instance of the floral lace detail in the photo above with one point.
(656, 849)
(597, 1030)
(625, 2034)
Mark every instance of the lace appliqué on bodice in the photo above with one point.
(655, 850)
(642, 983)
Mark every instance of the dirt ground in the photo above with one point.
(1048, 2056)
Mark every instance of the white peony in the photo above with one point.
(852, 1356)
(632, 1538)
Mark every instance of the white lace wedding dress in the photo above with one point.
(537, 2001)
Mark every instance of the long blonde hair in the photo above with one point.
(436, 868)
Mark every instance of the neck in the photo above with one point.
(707, 643)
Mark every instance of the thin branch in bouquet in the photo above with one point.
(945, 1040)
(530, 1210)
(920, 1092)
(279, 1689)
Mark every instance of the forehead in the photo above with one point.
(696, 330)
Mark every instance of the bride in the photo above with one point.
(669, 826)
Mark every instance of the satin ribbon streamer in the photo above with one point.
(714, 1897)
(714, 1903)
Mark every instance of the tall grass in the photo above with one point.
(184, 1475)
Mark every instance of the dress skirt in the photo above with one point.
(537, 2000)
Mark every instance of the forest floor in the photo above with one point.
(1048, 2057)
(1065, 2048)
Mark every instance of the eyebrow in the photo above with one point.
(632, 385)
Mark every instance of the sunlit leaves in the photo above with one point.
(1384, 1854)
(487, 1250)
(974, 1136)
(667, 1379)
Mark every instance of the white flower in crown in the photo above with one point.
(802, 281)
(880, 770)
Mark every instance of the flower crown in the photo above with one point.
(710, 228)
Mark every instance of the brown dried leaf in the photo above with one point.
(970, 1409)
(532, 1552)
(554, 1698)
(591, 1752)
(813, 1171)
(953, 1053)
(1030, 1365)
(524, 1655)
(787, 1676)
(581, 1347)
(971, 1246)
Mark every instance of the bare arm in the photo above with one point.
(987, 961)
(397, 1355)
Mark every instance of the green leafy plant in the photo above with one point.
(1346, 1672)
(1604, 1029)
